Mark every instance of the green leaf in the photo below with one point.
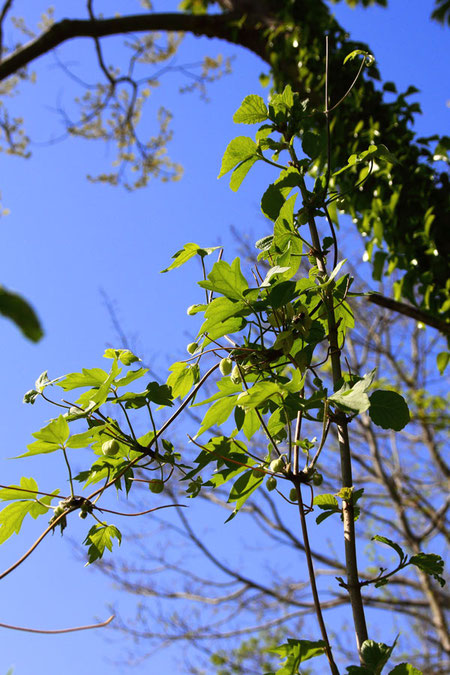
(83, 439)
(353, 399)
(124, 355)
(226, 279)
(182, 378)
(187, 252)
(99, 537)
(260, 392)
(93, 398)
(296, 652)
(431, 564)
(243, 488)
(405, 669)
(217, 316)
(15, 308)
(50, 438)
(251, 111)
(217, 414)
(375, 655)
(12, 516)
(238, 150)
(30, 396)
(311, 143)
(388, 410)
(251, 423)
(354, 54)
(271, 273)
(378, 264)
(93, 377)
(383, 153)
(220, 450)
(226, 387)
(131, 376)
(240, 172)
(276, 194)
(442, 361)
(159, 394)
(392, 544)
(323, 516)
(326, 501)
(22, 491)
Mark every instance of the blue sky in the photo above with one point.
(66, 239)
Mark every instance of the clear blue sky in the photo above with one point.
(65, 239)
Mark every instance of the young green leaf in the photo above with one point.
(353, 399)
(124, 355)
(131, 376)
(226, 279)
(355, 53)
(182, 378)
(93, 377)
(217, 414)
(99, 537)
(241, 171)
(238, 150)
(259, 393)
(296, 652)
(186, 253)
(251, 111)
(24, 502)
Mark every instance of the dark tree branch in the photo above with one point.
(223, 26)
(410, 311)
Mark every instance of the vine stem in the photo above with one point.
(308, 554)
(56, 631)
(353, 586)
(312, 578)
(166, 424)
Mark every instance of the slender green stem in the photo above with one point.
(312, 577)
(70, 472)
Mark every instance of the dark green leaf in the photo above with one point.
(14, 307)
(388, 410)
(243, 488)
(405, 669)
(159, 394)
(311, 143)
(431, 564)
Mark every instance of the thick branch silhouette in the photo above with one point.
(223, 26)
